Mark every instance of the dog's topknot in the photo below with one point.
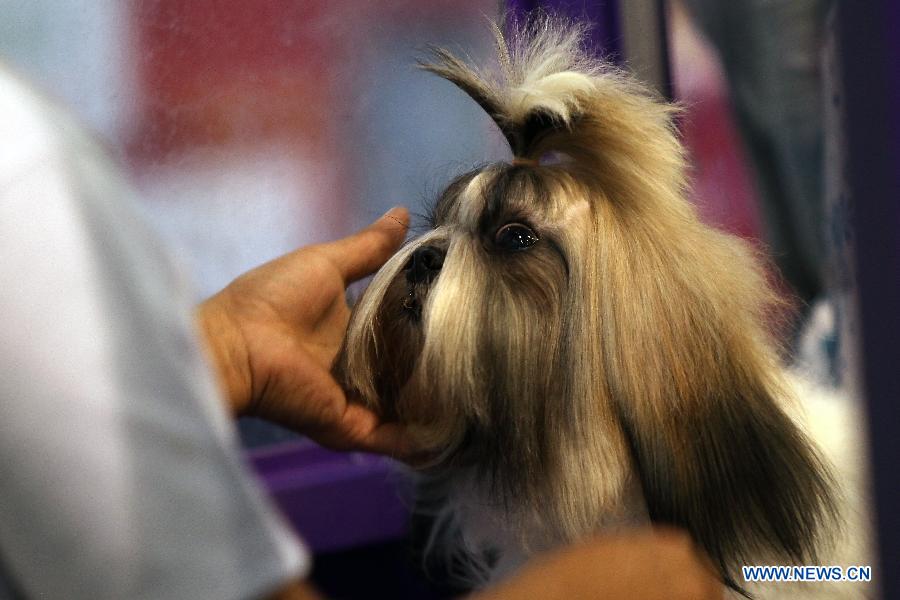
(544, 76)
(551, 95)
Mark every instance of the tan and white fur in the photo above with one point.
(577, 349)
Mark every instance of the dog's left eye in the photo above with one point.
(515, 236)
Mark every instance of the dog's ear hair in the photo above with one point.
(701, 400)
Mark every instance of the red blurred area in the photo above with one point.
(215, 73)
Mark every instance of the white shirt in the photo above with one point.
(120, 475)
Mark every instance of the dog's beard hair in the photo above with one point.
(629, 346)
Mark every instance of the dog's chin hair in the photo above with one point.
(628, 349)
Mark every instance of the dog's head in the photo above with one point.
(568, 327)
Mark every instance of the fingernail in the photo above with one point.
(397, 213)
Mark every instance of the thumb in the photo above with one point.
(365, 251)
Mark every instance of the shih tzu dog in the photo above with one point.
(579, 350)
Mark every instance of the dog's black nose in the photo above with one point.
(424, 265)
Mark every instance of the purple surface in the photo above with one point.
(335, 500)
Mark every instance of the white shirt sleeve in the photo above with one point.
(120, 474)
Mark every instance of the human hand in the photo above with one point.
(273, 334)
(651, 564)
